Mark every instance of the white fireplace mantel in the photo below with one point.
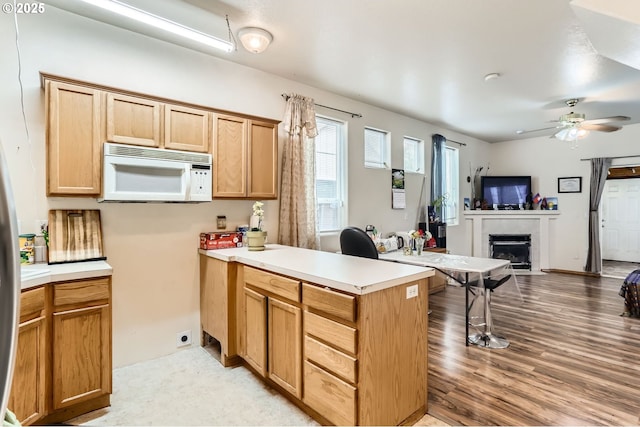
(536, 222)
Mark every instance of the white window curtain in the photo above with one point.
(297, 184)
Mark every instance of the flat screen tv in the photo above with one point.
(505, 192)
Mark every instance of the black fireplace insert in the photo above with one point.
(513, 247)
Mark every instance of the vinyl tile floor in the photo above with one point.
(191, 388)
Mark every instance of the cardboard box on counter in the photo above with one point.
(220, 240)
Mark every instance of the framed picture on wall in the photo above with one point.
(571, 184)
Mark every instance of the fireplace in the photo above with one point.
(513, 247)
(538, 223)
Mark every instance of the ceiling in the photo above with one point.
(427, 58)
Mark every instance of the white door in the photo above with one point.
(620, 220)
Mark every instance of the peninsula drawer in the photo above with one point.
(342, 365)
(331, 302)
(338, 335)
(31, 304)
(331, 397)
(279, 285)
(81, 291)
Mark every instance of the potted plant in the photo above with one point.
(255, 236)
(437, 207)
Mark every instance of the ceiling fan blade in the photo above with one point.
(606, 120)
(520, 132)
(600, 128)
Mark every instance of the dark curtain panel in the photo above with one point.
(437, 166)
(599, 168)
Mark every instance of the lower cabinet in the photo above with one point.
(218, 306)
(67, 372)
(273, 329)
(285, 347)
(255, 348)
(346, 359)
(27, 399)
(330, 354)
(81, 353)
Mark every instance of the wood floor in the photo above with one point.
(572, 359)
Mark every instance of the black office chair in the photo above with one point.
(354, 241)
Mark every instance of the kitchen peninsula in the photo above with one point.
(344, 338)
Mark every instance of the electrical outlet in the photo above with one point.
(183, 339)
(41, 225)
(412, 291)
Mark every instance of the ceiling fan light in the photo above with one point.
(571, 134)
(255, 40)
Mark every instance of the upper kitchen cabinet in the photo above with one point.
(245, 157)
(133, 120)
(229, 156)
(263, 160)
(74, 139)
(138, 121)
(186, 128)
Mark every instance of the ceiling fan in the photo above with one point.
(573, 126)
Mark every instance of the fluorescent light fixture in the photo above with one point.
(161, 23)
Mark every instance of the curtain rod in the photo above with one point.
(456, 142)
(616, 157)
(286, 97)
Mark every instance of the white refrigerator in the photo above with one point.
(9, 283)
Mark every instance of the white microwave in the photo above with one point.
(141, 174)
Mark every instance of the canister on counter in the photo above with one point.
(40, 249)
(243, 229)
(27, 243)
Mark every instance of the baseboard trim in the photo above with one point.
(577, 273)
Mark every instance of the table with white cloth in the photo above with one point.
(472, 273)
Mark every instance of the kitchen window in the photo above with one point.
(376, 148)
(331, 175)
(413, 155)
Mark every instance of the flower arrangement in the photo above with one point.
(420, 234)
(257, 217)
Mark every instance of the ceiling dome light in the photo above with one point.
(255, 40)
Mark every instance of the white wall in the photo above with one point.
(152, 247)
(546, 160)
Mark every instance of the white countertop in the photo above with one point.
(39, 274)
(347, 273)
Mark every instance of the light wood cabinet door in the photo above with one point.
(262, 160)
(255, 346)
(81, 355)
(285, 346)
(213, 297)
(229, 156)
(186, 128)
(218, 304)
(133, 120)
(27, 399)
(74, 140)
